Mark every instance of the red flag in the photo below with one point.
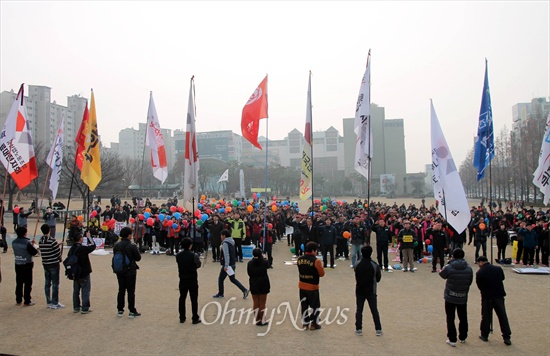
(81, 139)
(255, 110)
(16, 148)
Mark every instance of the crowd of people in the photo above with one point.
(329, 228)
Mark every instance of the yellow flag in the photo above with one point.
(91, 167)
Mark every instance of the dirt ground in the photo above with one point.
(411, 308)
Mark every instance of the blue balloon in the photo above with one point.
(177, 216)
(222, 210)
(257, 206)
(430, 248)
(204, 217)
(302, 247)
(297, 210)
(247, 201)
(258, 195)
(311, 214)
(147, 215)
(161, 217)
(200, 206)
(174, 226)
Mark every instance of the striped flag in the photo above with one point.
(16, 148)
(191, 173)
(307, 164)
(55, 159)
(155, 142)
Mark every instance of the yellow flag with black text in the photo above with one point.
(91, 167)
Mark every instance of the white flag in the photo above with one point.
(224, 177)
(448, 189)
(155, 142)
(541, 177)
(362, 126)
(307, 152)
(55, 159)
(191, 174)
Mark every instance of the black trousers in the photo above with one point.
(23, 283)
(544, 258)
(438, 252)
(373, 305)
(462, 312)
(382, 253)
(328, 249)
(3, 232)
(342, 248)
(487, 307)
(126, 284)
(191, 287)
(501, 252)
(216, 253)
(238, 248)
(520, 251)
(269, 250)
(310, 299)
(528, 255)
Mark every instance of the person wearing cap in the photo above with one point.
(489, 280)
(530, 243)
(459, 276)
(127, 280)
(23, 249)
(188, 265)
(406, 238)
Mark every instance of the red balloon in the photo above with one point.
(150, 221)
(269, 226)
(428, 242)
(180, 209)
(16, 210)
(217, 206)
(141, 217)
(173, 208)
(208, 211)
(132, 220)
(94, 213)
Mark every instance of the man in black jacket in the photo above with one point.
(188, 263)
(127, 279)
(489, 280)
(383, 238)
(440, 242)
(83, 283)
(459, 277)
(367, 276)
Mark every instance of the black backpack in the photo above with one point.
(120, 263)
(72, 268)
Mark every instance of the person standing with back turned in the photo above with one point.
(127, 279)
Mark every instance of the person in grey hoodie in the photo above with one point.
(459, 276)
(228, 262)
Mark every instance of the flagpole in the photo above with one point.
(68, 203)
(369, 157)
(143, 154)
(266, 171)
(4, 191)
(43, 192)
(311, 152)
(491, 212)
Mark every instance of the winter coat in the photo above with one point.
(459, 276)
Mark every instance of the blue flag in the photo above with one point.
(485, 143)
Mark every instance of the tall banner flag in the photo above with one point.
(224, 177)
(363, 127)
(307, 164)
(55, 159)
(191, 173)
(80, 138)
(485, 143)
(91, 166)
(448, 188)
(241, 183)
(541, 177)
(155, 142)
(17, 150)
(254, 110)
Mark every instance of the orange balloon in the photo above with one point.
(424, 260)
(250, 208)
(228, 209)
(482, 226)
(203, 197)
(148, 210)
(79, 217)
(274, 207)
(346, 234)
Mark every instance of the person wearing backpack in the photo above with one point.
(82, 283)
(127, 277)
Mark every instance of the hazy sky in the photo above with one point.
(420, 50)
